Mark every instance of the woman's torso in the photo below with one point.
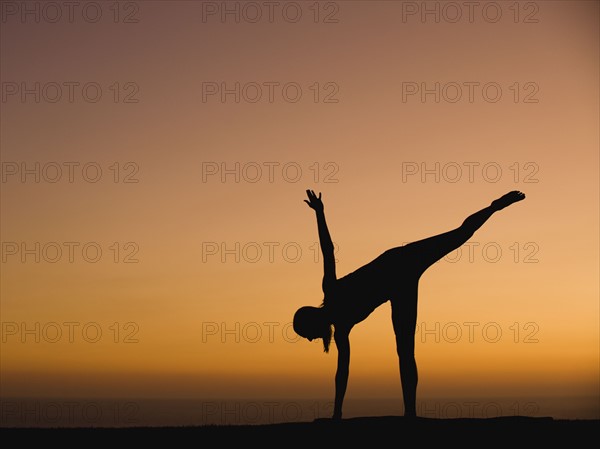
(353, 297)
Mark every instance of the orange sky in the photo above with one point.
(354, 135)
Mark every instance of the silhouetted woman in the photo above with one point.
(393, 276)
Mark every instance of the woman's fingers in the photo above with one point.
(312, 195)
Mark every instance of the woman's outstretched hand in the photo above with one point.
(314, 201)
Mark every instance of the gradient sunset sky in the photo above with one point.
(337, 113)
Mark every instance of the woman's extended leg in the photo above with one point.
(426, 252)
(414, 259)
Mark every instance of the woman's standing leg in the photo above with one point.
(404, 319)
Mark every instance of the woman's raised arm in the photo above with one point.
(329, 276)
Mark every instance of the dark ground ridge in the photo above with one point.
(513, 430)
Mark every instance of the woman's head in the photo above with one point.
(312, 322)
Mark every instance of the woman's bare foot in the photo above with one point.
(508, 199)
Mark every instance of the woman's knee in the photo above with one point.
(405, 344)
